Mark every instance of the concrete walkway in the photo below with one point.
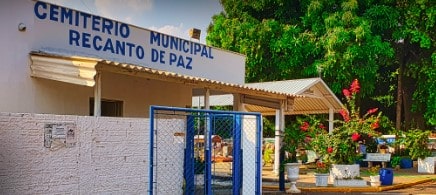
(403, 178)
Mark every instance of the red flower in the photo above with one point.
(375, 125)
(371, 111)
(321, 126)
(329, 149)
(304, 126)
(355, 137)
(345, 115)
(354, 88)
(346, 93)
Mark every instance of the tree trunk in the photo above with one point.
(399, 106)
(399, 97)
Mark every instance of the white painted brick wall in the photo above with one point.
(110, 156)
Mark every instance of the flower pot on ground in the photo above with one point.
(321, 179)
(374, 176)
(322, 173)
(375, 183)
(344, 172)
(427, 165)
(346, 175)
(293, 170)
(350, 182)
(406, 163)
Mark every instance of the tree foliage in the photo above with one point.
(340, 40)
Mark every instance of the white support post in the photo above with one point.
(237, 102)
(279, 128)
(331, 118)
(206, 99)
(97, 94)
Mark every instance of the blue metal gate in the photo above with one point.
(204, 151)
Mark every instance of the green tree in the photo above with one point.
(417, 65)
(388, 45)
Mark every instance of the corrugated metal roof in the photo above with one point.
(70, 71)
(201, 82)
(313, 96)
(310, 95)
(296, 86)
(138, 70)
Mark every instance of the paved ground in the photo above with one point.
(406, 181)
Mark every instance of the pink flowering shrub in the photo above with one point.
(300, 134)
(340, 146)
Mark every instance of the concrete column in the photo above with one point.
(237, 102)
(207, 99)
(331, 118)
(279, 128)
(97, 94)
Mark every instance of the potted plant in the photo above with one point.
(342, 144)
(416, 141)
(297, 137)
(322, 173)
(395, 162)
(374, 175)
(383, 148)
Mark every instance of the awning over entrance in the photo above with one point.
(312, 96)
(82, 71)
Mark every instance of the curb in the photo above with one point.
(352, 189)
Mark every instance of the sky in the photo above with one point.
(173, 17)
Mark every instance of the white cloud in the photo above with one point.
(177, 31)
(122, 10)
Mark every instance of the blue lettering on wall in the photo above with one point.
(105, 35)
(97, 43)
(45, 11)
(67, 14)
(38, 14)
(175, 43)
(157, 56)
(54, 12)
(80, 19)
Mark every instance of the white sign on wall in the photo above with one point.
(63, 30)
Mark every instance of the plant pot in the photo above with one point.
(375, 183)
(427, 165)
(322, 179)
(350, 182)
(293, 171)
(406, 163)
(344, 172)
(374, 178)
(383, 151)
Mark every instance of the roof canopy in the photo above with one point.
(312, 96)
(302, 96)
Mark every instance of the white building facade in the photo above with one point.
(62, 70)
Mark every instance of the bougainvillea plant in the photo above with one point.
(340, 147)
(299, 136)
